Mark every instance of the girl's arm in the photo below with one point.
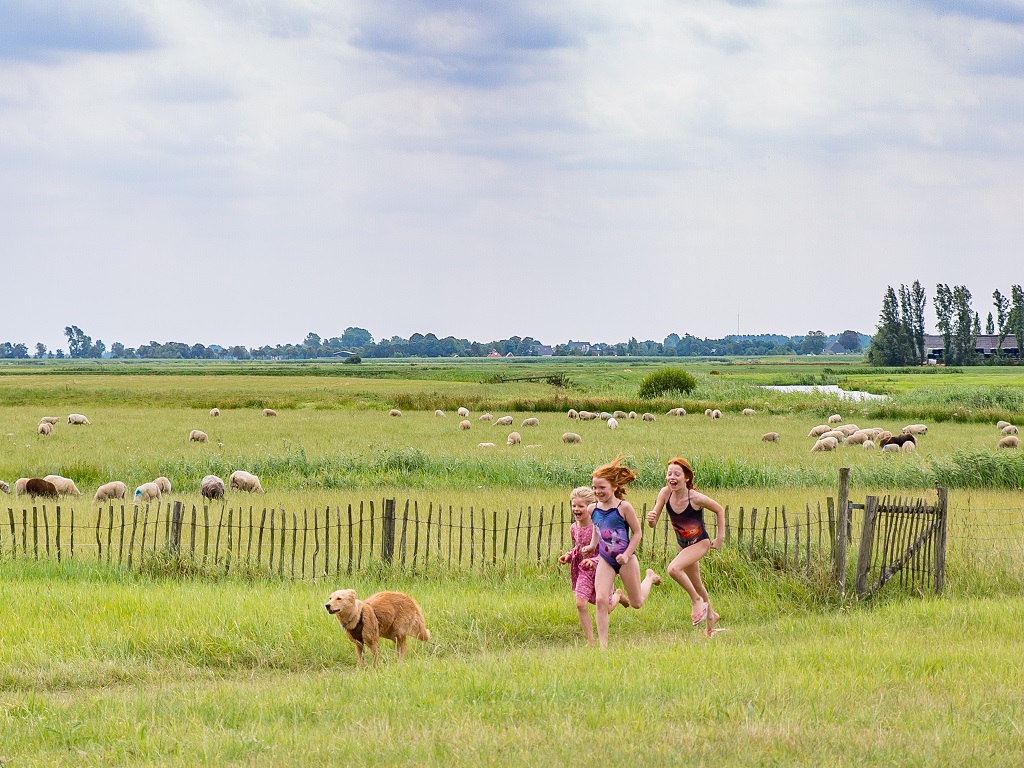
(709, 503)
(568, 555)
(629, 515)
(591, 548)
(654, 514)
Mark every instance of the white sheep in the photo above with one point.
(859, 437)
(915, 429)
(1001, 424)
(163, 484)
(839, 436)
(1010, 441)
(890, 448)
(269, 412)
(394, 412)
(514, 439)
(439, 413)
(112, 490)
(530, 422)
(211, 487)
(504, 421)
(677, 412)
(819, 430)
(464, 413)
(587, 416)
(77, 418)
(716, 414)
(245, 481)
(573, 413)
(605, 415)
(20, 485)
(485, 417)
(908, 447)
(215, 411)
(198, 436)
(571, 437)
(465, 424)
(485, 445)
(44, 428)
(868, 445)
(147, 492)
(707, 411)
(4, 487)
(619, 414)
(847, 429)
(749, 412)
(613, 423)
(632, 414)
(1009, 429)
(56, 420)
(835, 418)
(647, 417)
(65, 485)
(770, 437)
(825, 444)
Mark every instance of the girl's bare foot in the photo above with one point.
(712, 621)
(654, 577)
(623, 599)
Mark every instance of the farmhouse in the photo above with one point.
(985, 346)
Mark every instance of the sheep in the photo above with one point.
(439, 413)
(44, 428)
(211, 487)
(676, 412)
(39, 487)
(571, 437)
(485, 417)
(898, 440)
(908, 447)
(163, 484)
(198, 436)
(605, 415)
(269, 412)
(819, 430)
(632, 414)
(485, 445)
(112, 490)
(77, 418)
(915, 429)
(868, 445)
(707, 411)
(19, 485)
(1009, 429)
(882, 437)
(859, 437)
(531, 422)
(770, 437)
(716, 414)
(4, 487)
(245, 481)
(215, 411)
(613, 423)
(847, 429)
(890, 448)
(749, 412)
(147, 492)
(839, 436)
(1010, 441)
(56, 420)
(1001, 424)
(464, 425)
(835, 418)
(394, 412)
(464, 413)
(514, 438)
(65, 485)
(504, 421)
(619, 414)
(647, 417)
(573, 413)
(825, 444)
(587, 416)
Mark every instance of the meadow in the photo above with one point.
(102, 666)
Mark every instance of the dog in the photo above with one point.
(391, 615)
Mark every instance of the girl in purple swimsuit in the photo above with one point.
(685, 506)
(616, 536)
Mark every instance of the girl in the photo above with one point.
(616, 536)
(686, 507)
(582, 569)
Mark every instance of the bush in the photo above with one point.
(667, 380)
(353, 359)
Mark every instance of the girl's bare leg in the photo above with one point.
(680, 565)
(637, 591)
(603, 582)
(585, 621)
(693, 572)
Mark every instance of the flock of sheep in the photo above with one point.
(54, 486)
(828, 437)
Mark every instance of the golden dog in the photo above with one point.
(392, 615)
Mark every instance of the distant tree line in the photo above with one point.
(358, 342)
(900, 336)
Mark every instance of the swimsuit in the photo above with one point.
(613, 534)
(688, 524)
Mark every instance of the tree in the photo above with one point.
(990, 325)
(918, 300)
(1002, 304)
(891, 344)
(813, 343)
(40, 349)
(944, 318)
(964, 339)
(850, 341)
(1015, 320)
(97, 349)
(79, 344)
(356, 338)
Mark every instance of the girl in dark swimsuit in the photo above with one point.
(685, 506)
(616, 536)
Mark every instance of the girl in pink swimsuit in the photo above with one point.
(582, 569)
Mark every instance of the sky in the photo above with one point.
(248, 171)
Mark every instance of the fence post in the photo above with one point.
(843, 498)
(175, 538)
(867, 540)
(941, 508)
(387, 549)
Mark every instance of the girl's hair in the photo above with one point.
(684, 465)
(585, 493)
(616, 474)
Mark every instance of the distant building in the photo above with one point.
(835, 348)
(985, 346)
(494, 353)
(544, 350)
(578, 346)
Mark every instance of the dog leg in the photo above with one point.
(400, 645)
(359, 654)
(371, 632)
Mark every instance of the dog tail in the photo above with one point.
(423, 633)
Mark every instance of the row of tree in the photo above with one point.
(900, 336)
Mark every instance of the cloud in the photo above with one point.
(36, 31)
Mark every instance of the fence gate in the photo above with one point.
(904, 540)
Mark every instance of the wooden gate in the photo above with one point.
(902, 540)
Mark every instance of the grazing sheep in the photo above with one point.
(647, 417)
(868, 445)
(65, 485)
(716, 414)
(163, 484)
(485, 417)
(531, 422)
(999, 424)
(571, 437)
(707, 411)
(77, 418)
(20, 485)
(211, 487)
(573, 413)
(908, 447)
(394, 412)
(632, 414)
(915, 429)
(898, 440)
(619, 414)
(56, 420)
(45, 428)
(613, 423)
(39, 487)
(112, 490)
(847, 429)
(819, 430)
(514, 438)
(245, 481)
(215, 411)
(587, 416)
(504, 421)
(749, 412)
(890, 448)
(605, 415)
(770, 437)
(485, 445)
(1010, 441)
(835, 418)
(676, 412)
(1009, 429)
(147, 492)
(883, 436)
(825, 444)
(464, 424)
(198, 436)
(839, 436)
(859, 437)
(464, 413)
(4, 487)
(439, 413)
(269, 412)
